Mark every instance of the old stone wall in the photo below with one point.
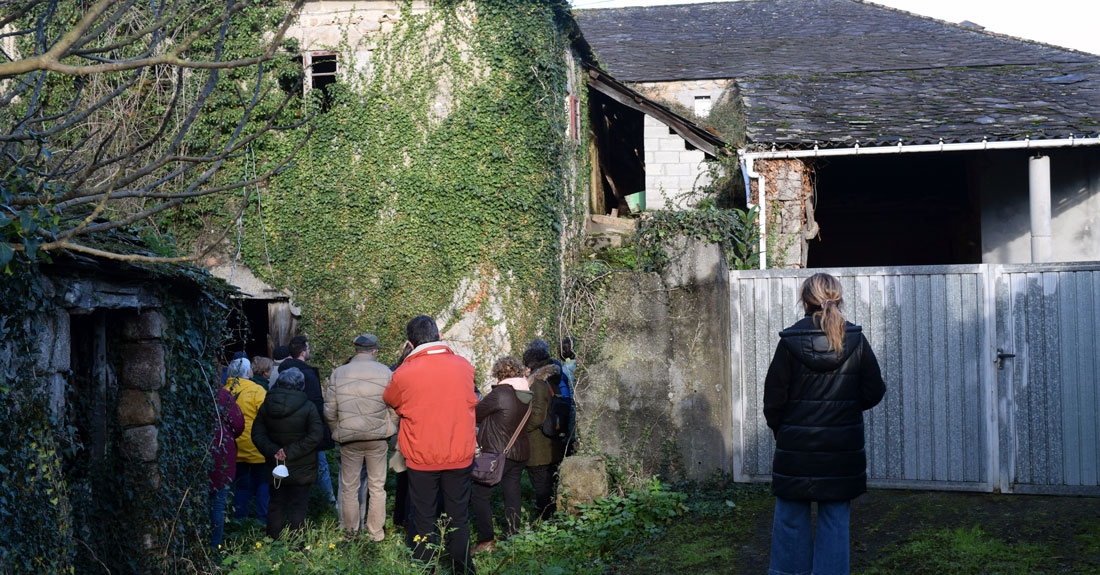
(335, 24)
(659, 392)
(789, 210)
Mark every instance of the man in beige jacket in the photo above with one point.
(361, 423)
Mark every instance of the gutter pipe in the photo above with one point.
(748, 173)
(747, 158)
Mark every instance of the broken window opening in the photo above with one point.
(321, 71)
(702, 106)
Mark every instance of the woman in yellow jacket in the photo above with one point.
(251, 468)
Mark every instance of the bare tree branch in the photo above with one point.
(98, 115)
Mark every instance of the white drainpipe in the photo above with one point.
(1039, 199)
(748, 174)
(748, 157)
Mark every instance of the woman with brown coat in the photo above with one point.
(546, 453)
(499, 415)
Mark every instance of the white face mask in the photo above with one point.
(280, 473)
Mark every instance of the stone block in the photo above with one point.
(140, 443)
(671, 144)
(149, 324)
(137, 408)
(666, 157)
(678, 169)
(692, 157)
(143, 366)
(651, 144)
(54, 339)
(583, 480)
(790, 214)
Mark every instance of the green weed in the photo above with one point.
(959, 551)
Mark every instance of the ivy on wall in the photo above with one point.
(449, 162)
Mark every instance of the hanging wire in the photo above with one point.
(259, 213)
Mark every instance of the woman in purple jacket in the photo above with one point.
(228, 424)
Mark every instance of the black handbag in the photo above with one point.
(489, 467)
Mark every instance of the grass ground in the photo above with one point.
(728, 531)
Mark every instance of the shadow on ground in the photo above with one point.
(915, 532)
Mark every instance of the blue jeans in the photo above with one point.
(217, 515)
(795, 549)
(324, 478)
(252, 481)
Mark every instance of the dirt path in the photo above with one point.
(892, 532)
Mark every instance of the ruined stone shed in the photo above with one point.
(881, 137)
(119, 373)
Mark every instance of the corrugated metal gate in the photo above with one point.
(955, 415)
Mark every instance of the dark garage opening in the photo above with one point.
(250, 329)
(915, 209)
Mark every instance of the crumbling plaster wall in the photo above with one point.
(789, 209)
(659, 392)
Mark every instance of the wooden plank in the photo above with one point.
(939, 351)
(1067, 364)
(957, 435)
(1052, 379)
(909, 381)
(895, 405)
(925, 418)
(1088, 347)
(971, 397)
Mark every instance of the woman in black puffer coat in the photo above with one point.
(288, 430)
(821, 379)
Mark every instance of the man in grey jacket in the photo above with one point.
(361, 423)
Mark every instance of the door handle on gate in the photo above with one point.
(1001, 356)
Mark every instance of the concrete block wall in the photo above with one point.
(671, 170)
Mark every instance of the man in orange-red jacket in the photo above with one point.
(433, 392)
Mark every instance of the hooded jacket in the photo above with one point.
(249, 396)
(814, 400)
(433, 392)
(354, 409)
(498, 416)
(288, 420)
(314, 393)
(544, 382)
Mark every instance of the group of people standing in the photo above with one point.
(269, 443)
(269, 413)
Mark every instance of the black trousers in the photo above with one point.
(544, 479)
(454, 485)
(513, 502)
(401, 499)
(287, 507)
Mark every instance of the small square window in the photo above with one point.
(702, 106)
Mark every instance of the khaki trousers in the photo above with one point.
(352, 458)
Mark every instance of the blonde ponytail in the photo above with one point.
(822, 294)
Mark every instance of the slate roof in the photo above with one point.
(833, 72)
